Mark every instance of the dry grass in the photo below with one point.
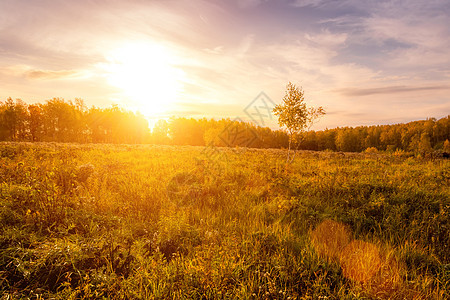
(160, 222)
(360, 261)
(329, 238)
(373, 267)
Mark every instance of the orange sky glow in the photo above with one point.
(365, 62)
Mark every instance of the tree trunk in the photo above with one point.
(289, 150)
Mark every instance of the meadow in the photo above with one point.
(183, 222)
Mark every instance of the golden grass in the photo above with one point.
(330, 238)
(160, 222)
(371, 266)
(360, 261)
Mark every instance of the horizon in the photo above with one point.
(366, 63)
(151, 124)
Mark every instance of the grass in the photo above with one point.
(162, 222)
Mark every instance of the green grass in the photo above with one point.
(161, 222)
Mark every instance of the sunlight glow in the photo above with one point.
(147, 76)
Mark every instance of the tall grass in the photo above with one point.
(159, 222)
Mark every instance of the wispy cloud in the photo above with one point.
(47, 74)
(389, 90)
(304, 3)
(249, 3)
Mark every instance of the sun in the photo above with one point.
(146, 75)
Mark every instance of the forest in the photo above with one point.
(58, 120)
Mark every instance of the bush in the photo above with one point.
(371, 150)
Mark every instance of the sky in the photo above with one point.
(366, 62)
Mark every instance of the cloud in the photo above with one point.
(215, 50)
(388, 90)
(23, 71)
(393, 36)
(47, 74)
(232, 50)
(305, 3)
(250, 3)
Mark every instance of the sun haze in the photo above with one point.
(365, 62)
(145, 76)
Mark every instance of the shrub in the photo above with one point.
(371, 150)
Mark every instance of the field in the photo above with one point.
(173, 222)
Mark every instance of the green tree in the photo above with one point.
(35, 122)
(61, 120)
(424, 144)
(346, 140)
(447, 146)
(295, 116)
(160, 133)
(185, 131)
(13, 117)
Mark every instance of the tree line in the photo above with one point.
(418, 136)
(58, 120)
